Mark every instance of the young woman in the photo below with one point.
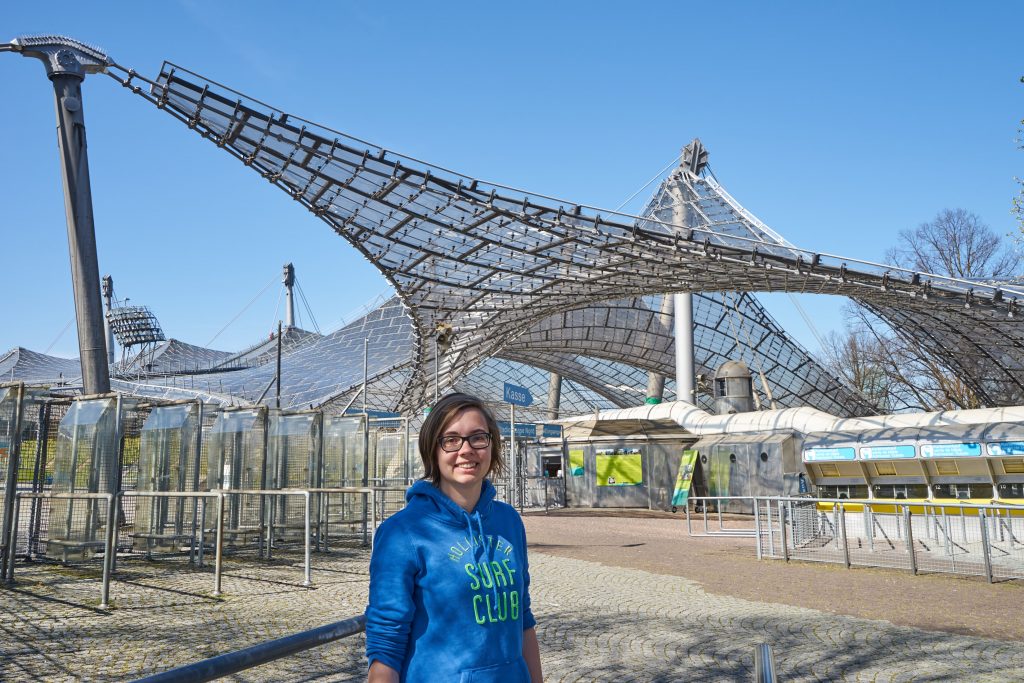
(449, 580)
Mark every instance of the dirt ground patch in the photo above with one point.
(658, 542)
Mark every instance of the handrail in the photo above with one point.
(261, 653)
(764, 664)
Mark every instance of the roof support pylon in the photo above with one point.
(67, 62)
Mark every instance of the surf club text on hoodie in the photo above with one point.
(449, 590)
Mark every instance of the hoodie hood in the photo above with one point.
(427, 499)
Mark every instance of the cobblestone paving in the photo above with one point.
(596, 623)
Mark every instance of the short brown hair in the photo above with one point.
(441, 415)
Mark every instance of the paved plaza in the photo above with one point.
(599, 619)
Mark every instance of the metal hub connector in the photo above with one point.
(62, 55)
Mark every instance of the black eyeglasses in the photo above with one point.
(452, 442)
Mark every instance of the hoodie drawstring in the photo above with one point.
(488, 552)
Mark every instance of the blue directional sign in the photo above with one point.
(517, 396)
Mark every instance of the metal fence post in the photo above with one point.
(782, 531)
(373, 518)
(109, 549)
(771, 531)
(309, 568)
(757, 528)
(12, 538)
(869, 526)
(201, 532)
(907, 522)
(986, 549)
(842, 532)
(11, 483)
(218, 562)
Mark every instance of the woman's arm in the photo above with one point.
(381, 673)
(531, 653)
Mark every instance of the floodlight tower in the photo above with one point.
(67, 62)
(108, 304)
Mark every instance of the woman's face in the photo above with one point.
(464, 469)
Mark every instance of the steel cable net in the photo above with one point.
(490, 261)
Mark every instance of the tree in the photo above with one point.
(891, 367)
(955, 243)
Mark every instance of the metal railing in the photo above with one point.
(102, 533)
(764, 664)
(716, 526)
(957, 538)
(262, 653)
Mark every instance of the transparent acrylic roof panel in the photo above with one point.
(236, 421)
(86, 413)
(489, 260)
(291, 425)
(168, 417)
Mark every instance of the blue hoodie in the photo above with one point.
(449, 590)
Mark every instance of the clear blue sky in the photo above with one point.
(838, 124)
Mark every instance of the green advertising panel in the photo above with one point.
(718, 474)
(684, 479)
(576, 462)
(620, 469)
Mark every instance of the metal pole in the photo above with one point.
(685, 372)
(986, 549)
(366, 356)
(910, 539)
(842, 532)
(11, 484)
(277, 400)
(67, 63)
(109, 550)
(782, 531)
(309, 532)
(202, 534)
(373, 515)
(554, 395)
(195, 482)
(683, 305)
(764, 664)
(513, 464)
(218, 562)
(436, 363)
(13, 538)
(757, 526)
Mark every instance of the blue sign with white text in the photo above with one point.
(517, 396)
(820, 454)
(1006, 448)
(887, 452)
(524, 430)
(950, 450)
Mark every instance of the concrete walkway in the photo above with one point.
(597, 622)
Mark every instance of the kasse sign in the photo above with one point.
(517, 396)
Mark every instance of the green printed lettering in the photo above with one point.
(476, 612)
(514, 600)
(490, 617)
(471, 570)
(510, 571)
(503, 607)
(499, 575)
(485, 574)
